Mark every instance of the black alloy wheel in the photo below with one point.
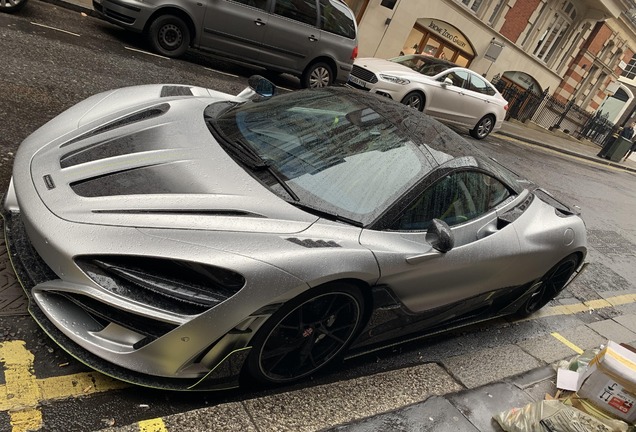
(550, 285)
(12, 5)
(414, 100)
(306, 334)
(484, 127)
(169, 36)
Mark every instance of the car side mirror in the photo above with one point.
(258, 86)
(447, 82)
(440, 236)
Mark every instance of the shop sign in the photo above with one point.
(449, 33)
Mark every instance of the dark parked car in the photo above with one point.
(178, 237)
(314, 39)
(11, 5)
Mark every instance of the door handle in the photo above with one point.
(312, 38)
(258, 22)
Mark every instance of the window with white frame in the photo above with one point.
(630, 69)
(555, 31)
(495, 12)
(473, 5)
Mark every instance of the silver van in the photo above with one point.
(313, 39)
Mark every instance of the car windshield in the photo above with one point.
(423, 64)
(333, 151)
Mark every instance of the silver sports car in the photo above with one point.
(177, 237)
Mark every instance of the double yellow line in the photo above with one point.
(23, 391)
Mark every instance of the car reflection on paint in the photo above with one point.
(438, 87)
(178, 237)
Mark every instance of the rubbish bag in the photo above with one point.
(555, 416)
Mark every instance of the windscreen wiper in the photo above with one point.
(325, 214)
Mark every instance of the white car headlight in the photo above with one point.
(394, 79)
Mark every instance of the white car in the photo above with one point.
(440, 88)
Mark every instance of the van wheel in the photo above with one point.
(169, 36)
(317, 75)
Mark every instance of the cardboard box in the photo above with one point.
(609, 383)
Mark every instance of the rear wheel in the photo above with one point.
(550, 285)
(317, 75)
(414, 100)
(169, 36)
(484, 127)
(306, 334)
(11, 5)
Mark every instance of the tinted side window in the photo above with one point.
(459, 78)
(298, 10)
(480, 86)
(454, 199)
(259, 4)
(336, 18)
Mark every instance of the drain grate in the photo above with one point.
(13, 301)
(610, 243)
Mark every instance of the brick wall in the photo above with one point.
(516, 19)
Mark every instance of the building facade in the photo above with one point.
(580, 50)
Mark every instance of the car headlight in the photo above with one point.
(394, 79)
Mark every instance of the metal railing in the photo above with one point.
(550, 113)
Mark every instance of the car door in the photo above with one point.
(235, 28)
(479, 97)
(292, 35)
(447, 97)
(483, 257)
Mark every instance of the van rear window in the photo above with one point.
(336, 18)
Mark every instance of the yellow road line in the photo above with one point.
(152, 425)
(23, 392)
(567, 343)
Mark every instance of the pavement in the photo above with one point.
(421, 398)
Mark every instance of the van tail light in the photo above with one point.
(354, 53)
(506, 107)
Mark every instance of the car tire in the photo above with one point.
(169, 36)
(551, 285)
(483, 127)
(11, 6)
(317, 75)
(305, 334)
(414, 100)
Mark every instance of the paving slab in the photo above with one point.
(325, 406)
(627, 321)
(436, 414)
(480, 405)
(612, 330)
(493, 364)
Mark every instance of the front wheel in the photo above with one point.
(305, 334)
(11, 5)
(317, 75)
(169, 36)
(483, 128)
(414, 100)
(550, 285)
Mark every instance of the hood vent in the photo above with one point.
(309, 243)
(170, 91)
(195, 212)
(155, 111)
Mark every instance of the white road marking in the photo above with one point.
(219, 72)
(146, 52)
(54, 28)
